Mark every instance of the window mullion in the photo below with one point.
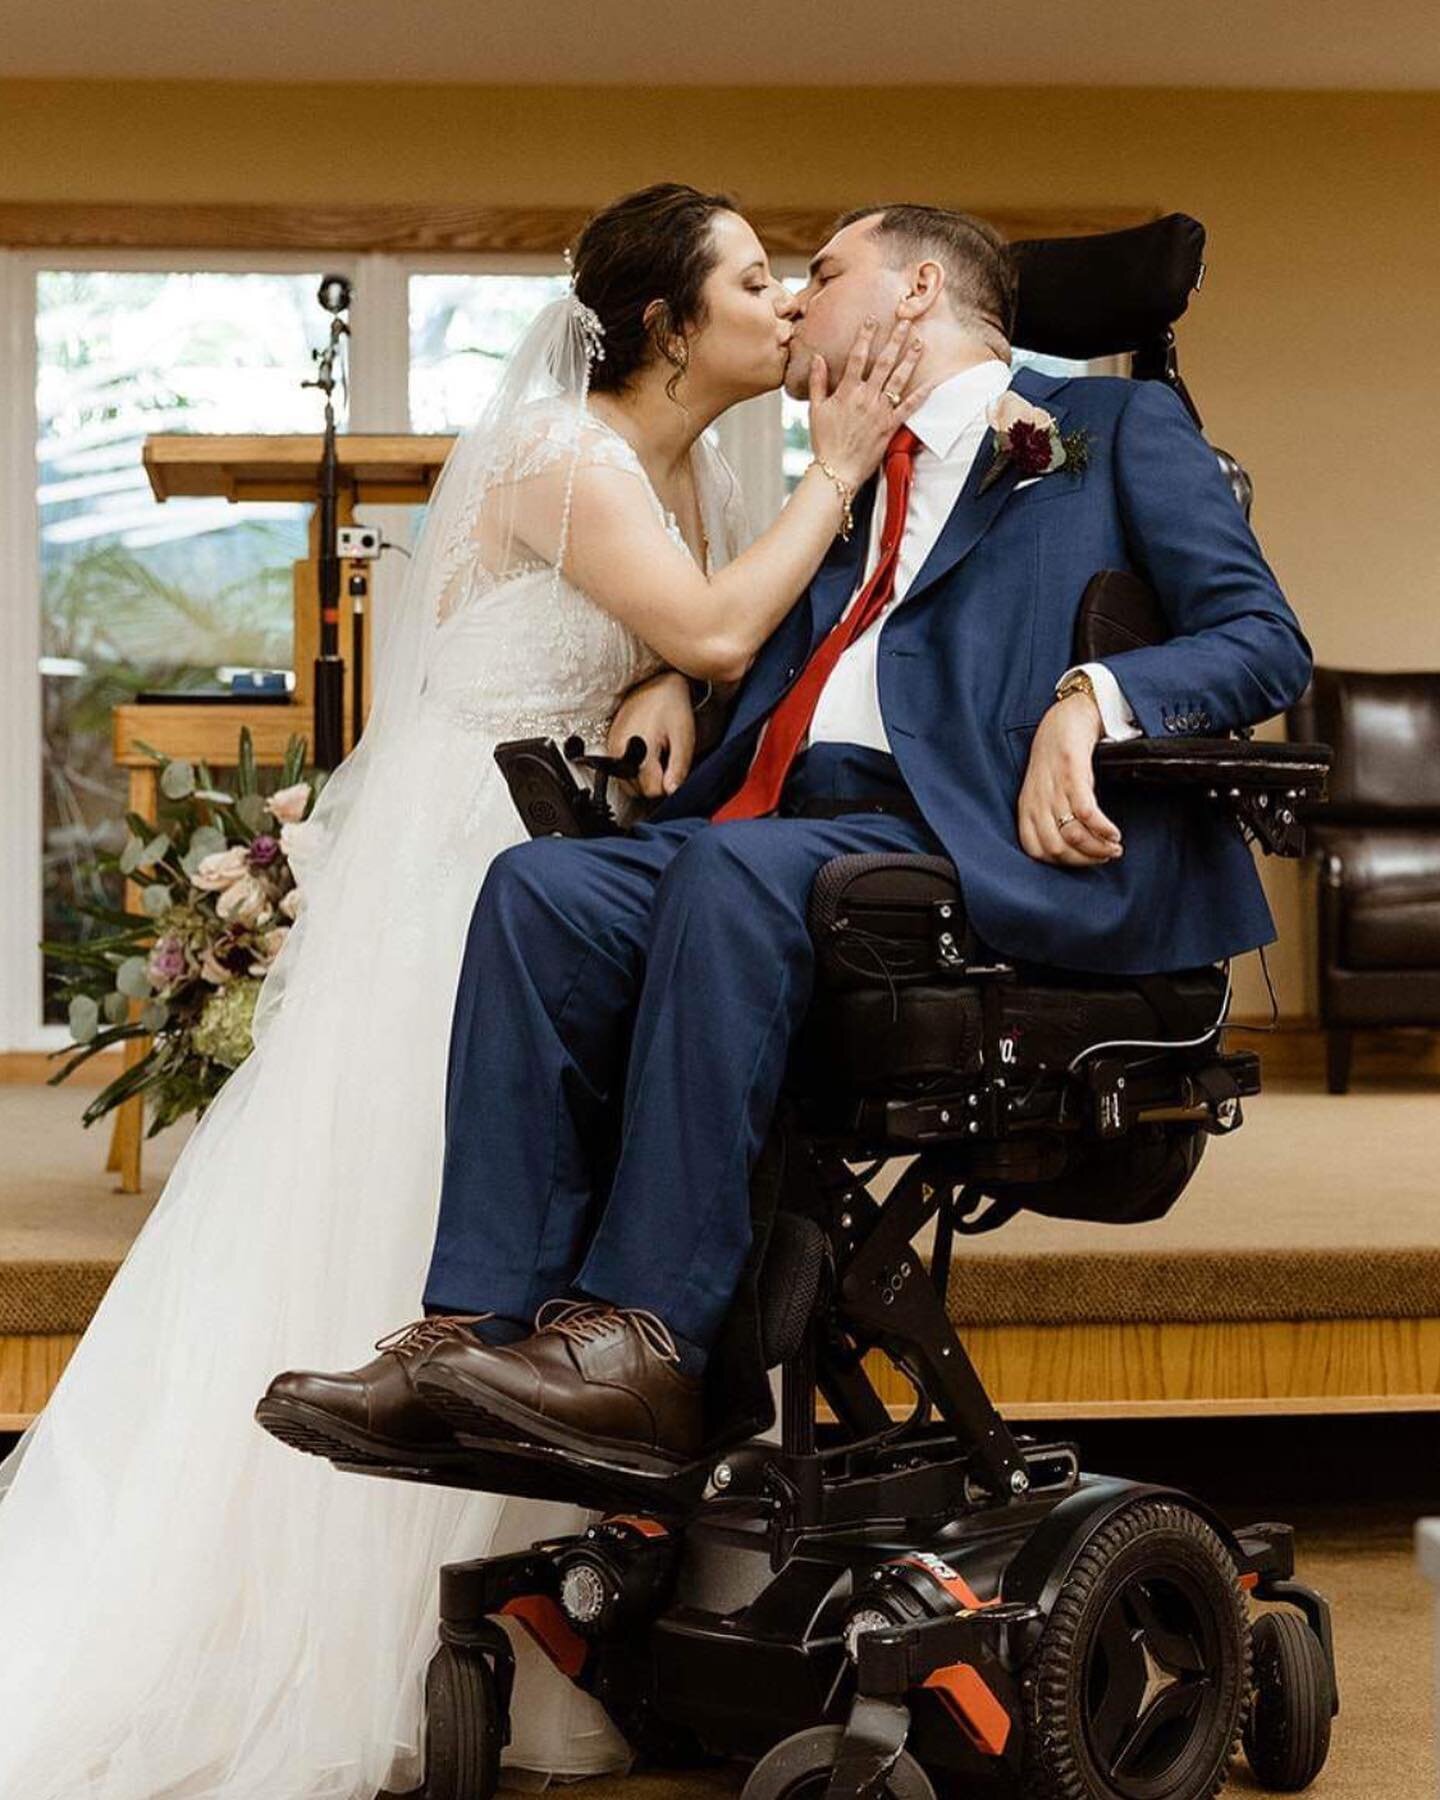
(380, 402)
(20, 718)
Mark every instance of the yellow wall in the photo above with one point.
(1313, 350)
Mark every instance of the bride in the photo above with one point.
(189, 1610)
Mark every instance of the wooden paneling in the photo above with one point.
(29, 1369)
(542, 230)
(208, 732)
(1139, 1371)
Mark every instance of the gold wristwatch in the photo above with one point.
(1076, 682)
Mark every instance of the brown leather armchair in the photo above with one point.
(1377, 845)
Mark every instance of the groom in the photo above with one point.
(626, 1005)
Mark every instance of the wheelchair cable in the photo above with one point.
(1273, 1023)
(1159, 1043)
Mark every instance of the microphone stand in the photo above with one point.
(334, 296)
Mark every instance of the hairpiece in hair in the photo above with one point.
(591, 328)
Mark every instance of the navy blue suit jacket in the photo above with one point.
(969, 658)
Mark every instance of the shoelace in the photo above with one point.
(425, 1333)
(582, 1320)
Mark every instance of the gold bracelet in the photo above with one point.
(846, 492)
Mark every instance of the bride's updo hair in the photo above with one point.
(655, 244)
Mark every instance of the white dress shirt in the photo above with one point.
(951, 427)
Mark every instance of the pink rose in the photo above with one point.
(219, 869)
(243, 902)
(289, 804)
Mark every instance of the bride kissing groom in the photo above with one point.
(625, 1006)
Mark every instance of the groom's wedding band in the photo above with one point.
(1061, 823)
(893, 397)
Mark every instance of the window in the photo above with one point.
(134, 595)
(117, 594)
(462, 326)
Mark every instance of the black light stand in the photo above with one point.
(334, 296)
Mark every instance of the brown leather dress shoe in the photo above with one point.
(372, 1414)
(595, 1379)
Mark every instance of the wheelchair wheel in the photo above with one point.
(1139, 1681)
(799, 1768)
(463, 1728)
(1287, 1735)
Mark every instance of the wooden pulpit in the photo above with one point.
(372, 469)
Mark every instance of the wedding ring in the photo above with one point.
(1060, 824)
(893, 397)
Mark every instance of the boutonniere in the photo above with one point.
(1028, 437)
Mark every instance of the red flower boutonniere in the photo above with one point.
(1028, 437)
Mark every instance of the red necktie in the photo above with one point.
(760, 791)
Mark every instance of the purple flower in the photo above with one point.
(263, 850)
(167, 961)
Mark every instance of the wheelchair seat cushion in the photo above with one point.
(895, 1006)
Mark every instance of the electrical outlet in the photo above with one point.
(357, 542)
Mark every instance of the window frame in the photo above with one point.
(22, 1026)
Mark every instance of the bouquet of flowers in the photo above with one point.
(218, 901)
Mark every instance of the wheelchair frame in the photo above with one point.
(742, 1572)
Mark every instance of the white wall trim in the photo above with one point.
(21, 918)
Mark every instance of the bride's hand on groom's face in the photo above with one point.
(659, 711)
(875, 395)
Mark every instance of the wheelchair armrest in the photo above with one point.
(1263, 784)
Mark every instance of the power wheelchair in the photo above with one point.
(878, 1605)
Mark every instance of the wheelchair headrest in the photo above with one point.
(1107, 293)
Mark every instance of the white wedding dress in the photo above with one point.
(188, 1609)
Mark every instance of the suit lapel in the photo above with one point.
(974, 513)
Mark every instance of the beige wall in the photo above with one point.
(1313, 350)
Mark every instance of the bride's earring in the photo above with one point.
(669, 343)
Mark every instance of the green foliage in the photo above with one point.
(193, 975)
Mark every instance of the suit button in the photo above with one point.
(790, 674)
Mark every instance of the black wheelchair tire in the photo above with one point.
(463, 1728)
(1165, 1557)
(1287, 1733)
(799, 1767)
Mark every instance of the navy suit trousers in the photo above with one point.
(621, 1029)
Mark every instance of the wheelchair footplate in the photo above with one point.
(538, 1472)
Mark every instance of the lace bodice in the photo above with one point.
(531, 654)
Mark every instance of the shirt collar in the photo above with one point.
(941, 418)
